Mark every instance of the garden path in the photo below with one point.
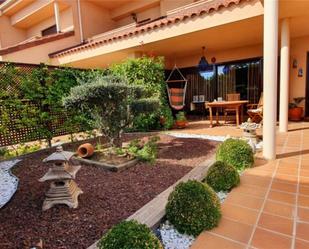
(270, 208)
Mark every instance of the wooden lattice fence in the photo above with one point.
(10, 116)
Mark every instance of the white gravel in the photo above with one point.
(187, 135)
(172, 239)
(222, 195)
(8, 182)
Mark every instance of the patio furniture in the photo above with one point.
(228, 109)
(255, 111)
(236, 105)
(176, 94)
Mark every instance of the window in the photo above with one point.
(49, 31)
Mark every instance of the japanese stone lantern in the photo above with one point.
(249, 130)
(63, 189)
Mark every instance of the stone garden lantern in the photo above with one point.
(63, 189)
(249, 130)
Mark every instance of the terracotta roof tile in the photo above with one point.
(201, 8)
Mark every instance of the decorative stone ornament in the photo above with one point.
(63, 189)
(249, 130)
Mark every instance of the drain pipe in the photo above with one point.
(80, 22)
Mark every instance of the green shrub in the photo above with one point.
(129, 235)
(235, 152)
(193, 207)
(149, 152)
(134, 146)
(112, 103)
(222, 176)
(18, 150)
(149, 73)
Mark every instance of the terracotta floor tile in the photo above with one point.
(282, 197)
(290, 160)
(259, 172)
(280, 209)
(240, 214)
(227, 229)
(244, 200)
(276, 223)
(304, 166)
(251, 190)
(292, 179)
(305, 159)
(255, 180)
(301, 244)
(286, 187)
(269, 167)
(292, 164)
(263, 239)
(303, 201)
(288, 170)
(207, 240)
(304, 181)
(302, 231)
(304, 190)
(303, 214)
(304, 172)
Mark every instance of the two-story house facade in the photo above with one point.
(251, 41)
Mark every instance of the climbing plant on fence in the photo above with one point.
(31, 103)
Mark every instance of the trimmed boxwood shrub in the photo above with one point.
(193, 207)
(129, 235)
(222, 176)
(235, 152)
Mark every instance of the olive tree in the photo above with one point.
(112, 103)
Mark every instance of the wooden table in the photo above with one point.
(237, 105)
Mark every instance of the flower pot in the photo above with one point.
(180, 124)
(85, 150)
(296, 113)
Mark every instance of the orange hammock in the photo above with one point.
(176, 95)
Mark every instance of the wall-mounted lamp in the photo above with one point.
(300, 72)
(294, 64)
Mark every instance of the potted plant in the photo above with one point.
(296, 111)
(181, 120)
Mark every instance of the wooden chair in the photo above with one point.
(231, 97)
(255, 111)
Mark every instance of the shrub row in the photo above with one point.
(193, 206)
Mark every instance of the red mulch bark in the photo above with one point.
(108, 197)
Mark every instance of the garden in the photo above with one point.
(123, 161)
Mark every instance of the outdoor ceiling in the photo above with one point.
(223, 37)
(15, 7)
(112, 4)
(292, 8)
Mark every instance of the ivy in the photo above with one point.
(34, 99)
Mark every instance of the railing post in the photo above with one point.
(57, 16)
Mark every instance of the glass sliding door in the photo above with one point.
(244, 77)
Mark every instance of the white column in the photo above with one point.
(57, 16)
(270, 78)
(284, 75)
